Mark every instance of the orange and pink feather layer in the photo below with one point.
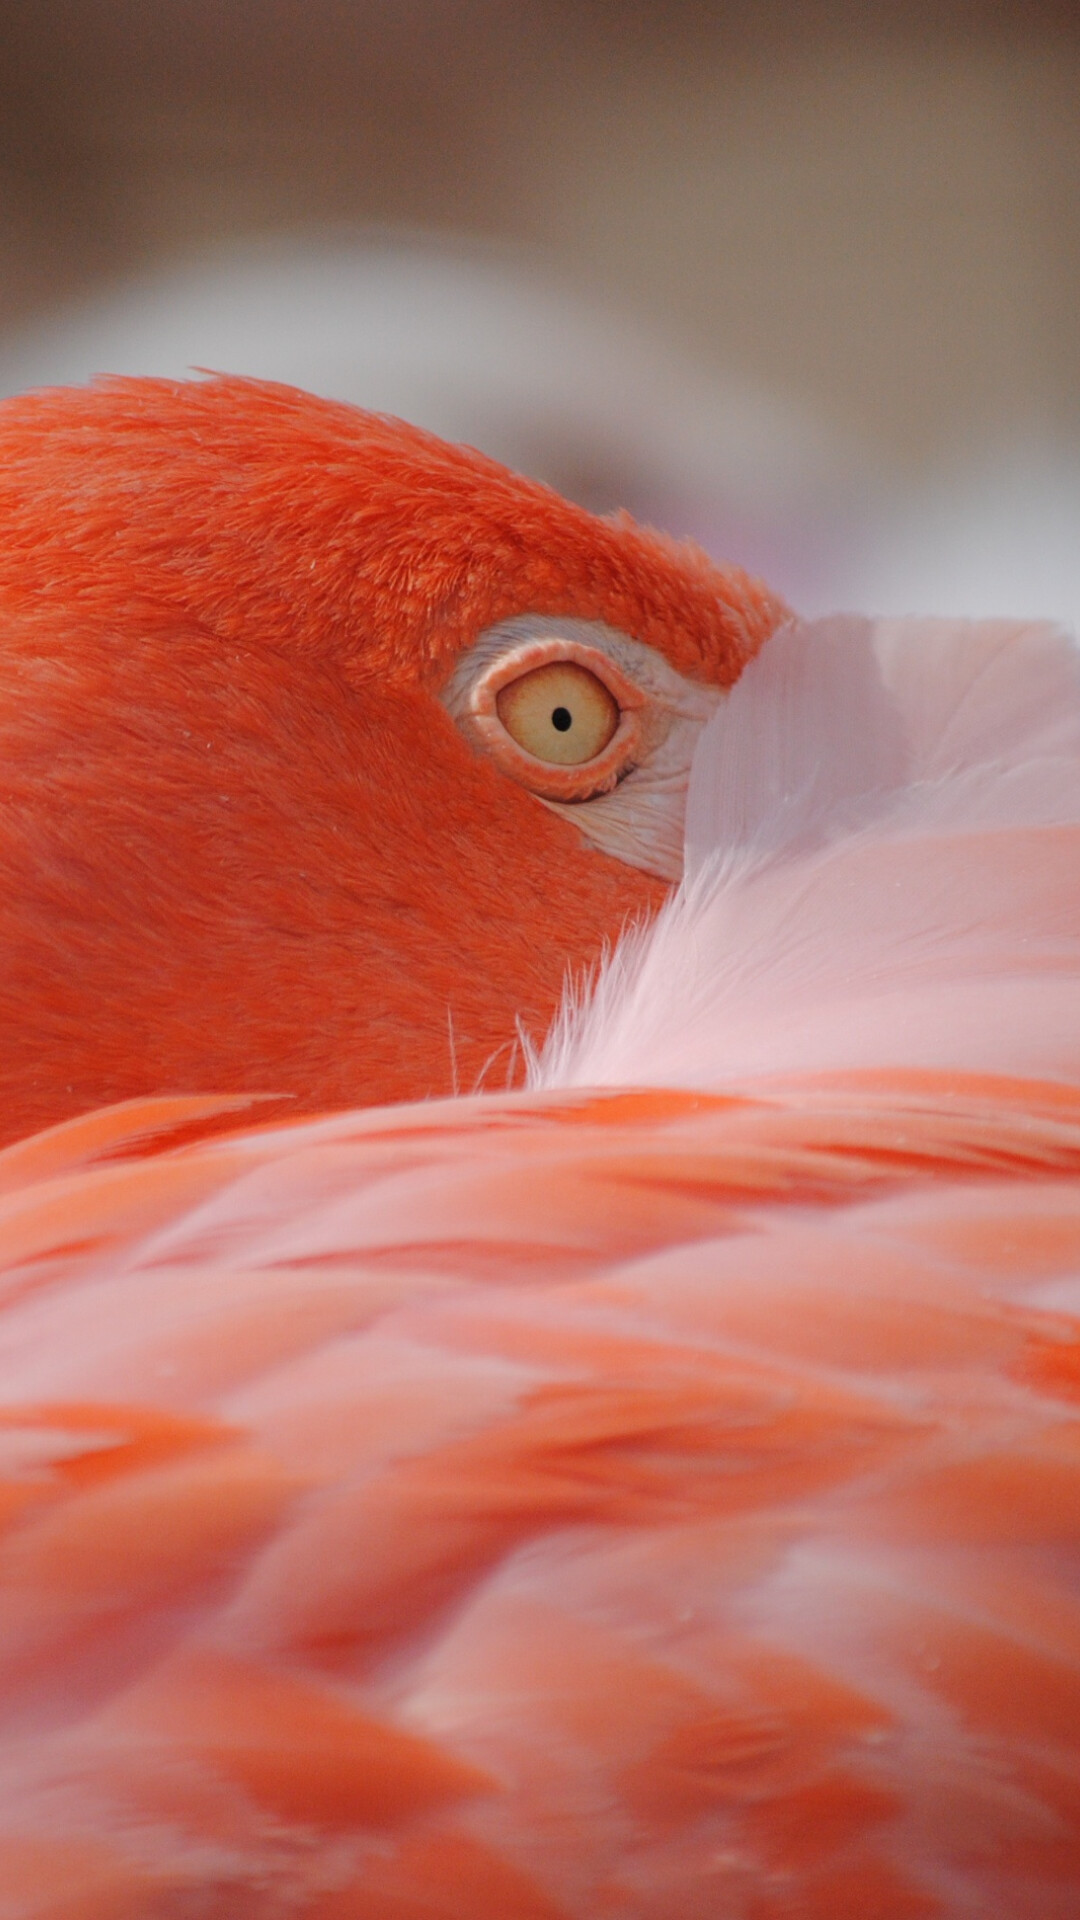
(652, 1493)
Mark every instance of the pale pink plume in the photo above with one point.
(883, 850)
(653, 1496)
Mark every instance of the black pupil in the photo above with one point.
(562, 719)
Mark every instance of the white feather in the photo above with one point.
(882, 869)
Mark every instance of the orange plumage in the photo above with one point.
(242, 847)
(656, 1499)
(643, 1505)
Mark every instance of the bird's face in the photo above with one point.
(598, 727)
(328, 751)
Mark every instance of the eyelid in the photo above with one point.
(553, 782)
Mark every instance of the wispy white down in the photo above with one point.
(882, 870)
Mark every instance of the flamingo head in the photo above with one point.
(328, 749)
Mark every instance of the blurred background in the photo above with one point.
(801, 277)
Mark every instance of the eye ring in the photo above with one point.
(552, 780)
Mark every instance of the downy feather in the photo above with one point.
(883, 834)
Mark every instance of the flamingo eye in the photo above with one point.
(560, 713)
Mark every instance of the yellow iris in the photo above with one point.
(560, 713)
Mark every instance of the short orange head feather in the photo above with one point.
(244, 845)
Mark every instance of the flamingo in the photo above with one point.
(649, 1490)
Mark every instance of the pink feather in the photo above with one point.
(883, 839)
(655, 1495)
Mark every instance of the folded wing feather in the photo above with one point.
(659, 1504)
(883, 839)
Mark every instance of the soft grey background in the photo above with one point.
(856, 228)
